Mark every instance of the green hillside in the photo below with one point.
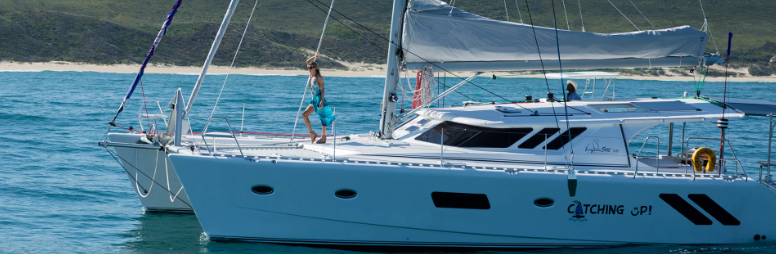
(121, 31)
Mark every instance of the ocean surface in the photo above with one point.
(60, 192)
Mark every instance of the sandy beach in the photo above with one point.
(354, 70)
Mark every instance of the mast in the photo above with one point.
(388, 106)
(211, 54)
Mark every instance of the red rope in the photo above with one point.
(148, 118)
(127, 128)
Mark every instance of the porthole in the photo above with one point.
(262, 190)
(544, 202)
(345, 194)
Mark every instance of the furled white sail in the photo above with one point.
(461, 41)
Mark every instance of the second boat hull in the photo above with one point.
(396, 205)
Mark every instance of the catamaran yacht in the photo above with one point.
(543, 172)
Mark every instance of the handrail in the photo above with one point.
(140, 111)
(732, 151)
(770, 139)
(205, 133)
(657, 157)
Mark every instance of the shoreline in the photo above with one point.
(355, 70)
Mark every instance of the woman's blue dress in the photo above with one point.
(325, 113)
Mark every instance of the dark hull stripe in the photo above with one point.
(406, 244)
(169, 210)
(689, 212)
(714, 209)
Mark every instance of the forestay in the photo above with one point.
(458, 40)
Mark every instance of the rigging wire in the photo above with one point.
(148, 117)
(565, 13)
(642, 14)
(565, 99)
(579, 2)
(506, 9)
(386, 39)
(229, 71)
(706, 23)
(544, 72)
(518, 12)
(623, 14)
(404, 50)
(325, 23)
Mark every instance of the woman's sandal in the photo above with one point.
(322, 140)
(313, 136)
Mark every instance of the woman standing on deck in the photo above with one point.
(316, 86)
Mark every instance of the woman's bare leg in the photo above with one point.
(323, 136)
(305, 115)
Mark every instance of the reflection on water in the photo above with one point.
(181, 233)
(159, 232)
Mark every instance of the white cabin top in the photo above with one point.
(630, 111)
(583, 75)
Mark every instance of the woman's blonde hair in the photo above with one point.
(317, 70)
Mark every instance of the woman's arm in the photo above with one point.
(312, 58)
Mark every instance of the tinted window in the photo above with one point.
(537, 139)
(460, 200)
(564, 138)
(461, 135)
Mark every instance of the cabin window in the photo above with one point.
(461, 135)
(460, 200)
(563, 139)
(537, 139)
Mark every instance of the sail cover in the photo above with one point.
(438, 33)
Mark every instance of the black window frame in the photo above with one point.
(538, 138)
(564, 139)
(462, 135)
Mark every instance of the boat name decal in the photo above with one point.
(579, 211)
(594, 147)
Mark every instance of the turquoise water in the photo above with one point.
(60, 192)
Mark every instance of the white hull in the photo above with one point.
(394, 205)
(148, 168)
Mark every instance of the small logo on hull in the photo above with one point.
(579, 213)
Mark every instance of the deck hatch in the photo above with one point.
(563, 139)
(460, 200)
(538, 138)
(663, 105)
(462, 135)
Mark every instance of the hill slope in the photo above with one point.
(121, 31)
